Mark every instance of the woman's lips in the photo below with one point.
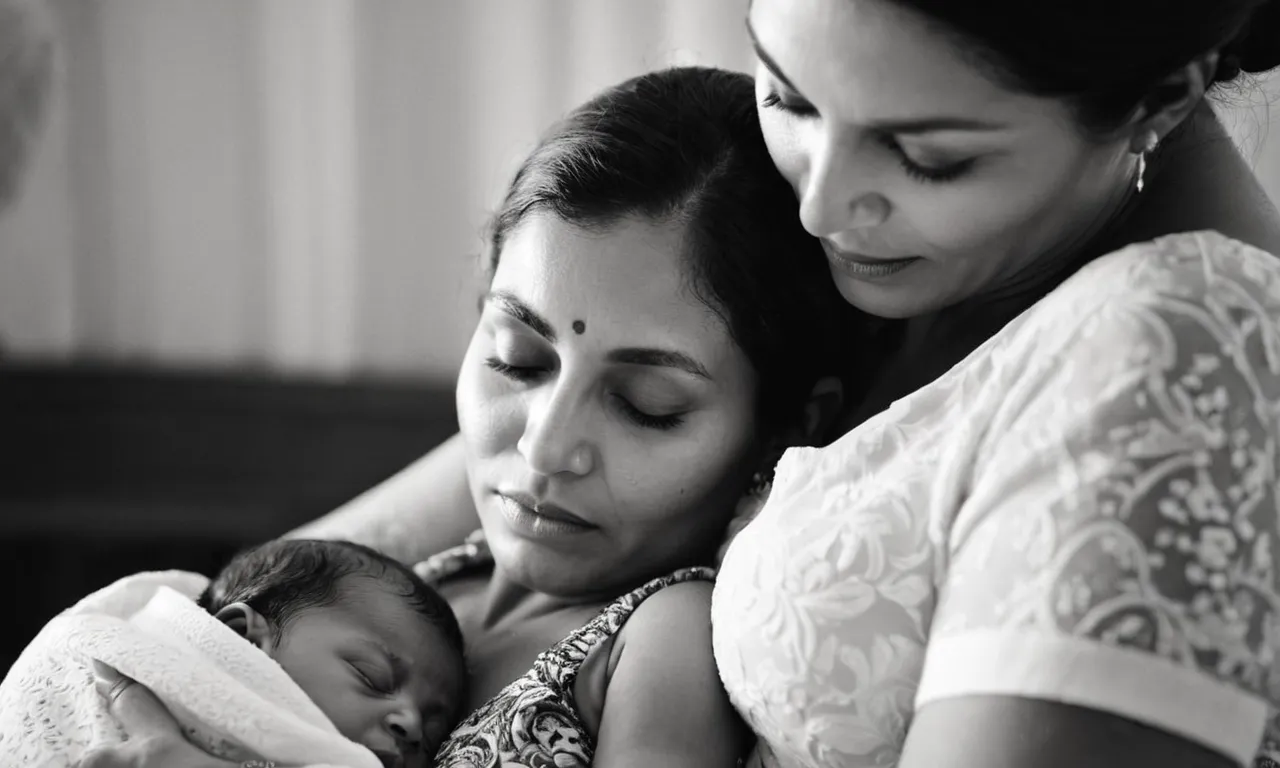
(861, 265)
(539, 519)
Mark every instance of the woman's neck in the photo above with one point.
(1095, 233)
(1197, 157)
(1197, 180)
(506, 601)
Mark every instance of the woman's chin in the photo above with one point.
(889, 302)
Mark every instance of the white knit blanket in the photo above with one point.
(232, 699)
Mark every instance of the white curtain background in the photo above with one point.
(300, 185)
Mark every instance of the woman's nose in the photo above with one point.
(554, 439)
(838, 194)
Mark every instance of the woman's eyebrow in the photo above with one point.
(935, 125)
(664, 358)
(512, 305)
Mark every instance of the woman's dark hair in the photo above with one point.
(1108, 56)
(283, 578)
(683, 145)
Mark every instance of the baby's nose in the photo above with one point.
(405, 726)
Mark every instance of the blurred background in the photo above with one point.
(243, 269)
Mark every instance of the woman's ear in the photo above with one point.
(1172, 101)
(822, 411)
(247, 623)
(821, 414)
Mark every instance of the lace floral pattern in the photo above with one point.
(1099, 480)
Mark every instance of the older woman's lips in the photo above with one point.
(859, 265)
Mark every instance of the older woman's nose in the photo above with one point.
(838, 193)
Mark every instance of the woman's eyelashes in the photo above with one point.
(528, 374)
(514, 372)
(921, 172)
(797, 107)
(662, 422)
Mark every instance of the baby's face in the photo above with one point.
(385, 676)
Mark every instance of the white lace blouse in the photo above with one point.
(1083, 510)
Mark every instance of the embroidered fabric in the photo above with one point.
(1083, 510)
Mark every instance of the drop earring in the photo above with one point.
(760, 483)
(1149, 144)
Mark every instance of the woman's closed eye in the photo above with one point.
(513, 371)
(648, 399)
(796, 106)
(518, 357)
(919, 171)
(926, 172)
(641, 418)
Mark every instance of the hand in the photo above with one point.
(155, 739)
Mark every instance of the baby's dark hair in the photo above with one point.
(283, 578)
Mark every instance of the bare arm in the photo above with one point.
(1013, 732)
(664, 704)
(423, 509)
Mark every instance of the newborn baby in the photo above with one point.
(343, 645)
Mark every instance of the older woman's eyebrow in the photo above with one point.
(663, 358)
(767, 60)
(935, 125)
(512, 305)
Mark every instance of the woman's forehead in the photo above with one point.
(871, 60)
(627, 281)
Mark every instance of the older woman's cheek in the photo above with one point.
(786, 147)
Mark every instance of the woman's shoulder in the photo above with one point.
(1189, 266)
(1161, 291)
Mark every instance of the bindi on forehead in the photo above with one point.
(579, 327)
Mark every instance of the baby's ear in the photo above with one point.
(247, 623)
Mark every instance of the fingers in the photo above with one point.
(137, 709)
(155, 737)
(110, 683)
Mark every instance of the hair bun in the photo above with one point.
(1258, 50)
